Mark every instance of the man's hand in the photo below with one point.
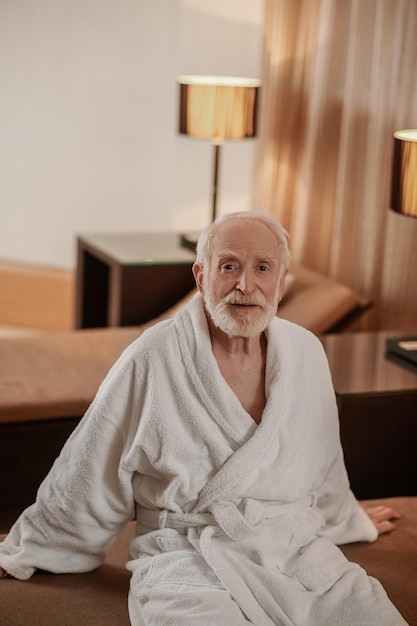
(382, 517)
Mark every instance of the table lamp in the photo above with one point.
(217, 108)
(404, 201)
(404, 173)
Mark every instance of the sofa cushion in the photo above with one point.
(94, 598)
(100, 597)
(392, 559)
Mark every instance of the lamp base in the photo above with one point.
(403, 350)
(189, 240)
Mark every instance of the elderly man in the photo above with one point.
(218, 432)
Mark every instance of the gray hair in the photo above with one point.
(206, 240)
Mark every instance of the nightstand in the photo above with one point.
(128, 279)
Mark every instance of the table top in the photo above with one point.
(138, 248)
(53, 375)
(359, 364)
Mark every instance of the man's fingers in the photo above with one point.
(381, 513)
(382, 516)
(385, 527)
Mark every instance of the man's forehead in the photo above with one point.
(235, 239)
(237, 249)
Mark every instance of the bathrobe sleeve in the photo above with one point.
(345, 520)
(87, 496)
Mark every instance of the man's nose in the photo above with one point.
(245, 284)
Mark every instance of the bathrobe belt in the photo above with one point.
(236, 521)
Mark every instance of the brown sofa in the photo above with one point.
(100, 597)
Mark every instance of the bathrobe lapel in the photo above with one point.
(253, 441)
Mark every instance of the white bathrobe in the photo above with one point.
(236, 523)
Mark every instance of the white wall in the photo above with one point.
(88, 118)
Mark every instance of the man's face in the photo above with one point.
(241, 284)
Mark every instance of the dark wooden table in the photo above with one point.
(47, 382)
(377, 401)
(128, 279)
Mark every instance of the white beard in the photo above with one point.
(244, 323)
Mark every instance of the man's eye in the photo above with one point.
(263, 268)
(228, 266)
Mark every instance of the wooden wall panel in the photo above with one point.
(36, 296)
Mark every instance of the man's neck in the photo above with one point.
(242, 362)
(251, 347)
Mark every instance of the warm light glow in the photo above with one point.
(218, 107)
(409, 134)
(404, 173)
(221, 81)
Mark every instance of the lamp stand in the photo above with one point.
(189, 241)
(217, 143)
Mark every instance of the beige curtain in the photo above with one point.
(339, 76)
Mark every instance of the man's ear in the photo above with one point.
(282, 285)
(198, 276)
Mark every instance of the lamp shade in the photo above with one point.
(218, 107)
(404, 173)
